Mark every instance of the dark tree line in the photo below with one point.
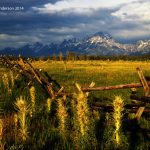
(73, 56)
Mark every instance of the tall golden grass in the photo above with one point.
(32, 96)
(48, 104)
(62, 115)
(1, 135)
(23, 110)
(118, 106)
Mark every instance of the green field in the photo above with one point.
(70, 122)
(103, 73)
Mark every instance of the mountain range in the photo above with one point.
(100, 43)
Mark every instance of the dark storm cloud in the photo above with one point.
(28, 3)
(29, 25)
(30, 20)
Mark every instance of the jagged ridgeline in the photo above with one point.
(100, 43)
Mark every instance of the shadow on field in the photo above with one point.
(138, 136)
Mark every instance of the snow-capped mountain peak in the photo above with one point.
(143, 44)
(96, 39)
(104, 35)
(100, 43)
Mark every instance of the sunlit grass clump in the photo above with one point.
(82, 110)
(12, 79)
(118, 105)
(8, 82)
(23, 110)
(83, 122)
(5, 80)
(32, 96)
(1, 135)
(48, 105)
(62, 115)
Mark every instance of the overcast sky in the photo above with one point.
(54, 20)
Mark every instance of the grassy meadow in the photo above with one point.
(30, 119)
(103, 73)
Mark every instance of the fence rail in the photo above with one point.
(54, 89)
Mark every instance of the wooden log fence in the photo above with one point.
(54, 89)
(24, 67)
(114, 87)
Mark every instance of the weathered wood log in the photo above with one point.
(146, 89)
(103, 109)
(142, 99)
(132, 106)
(25, 68)
(127, 106)
(143, 81)
(114, 87)
(49, 86)
(100, 104)
(133, 110)
(52, 80)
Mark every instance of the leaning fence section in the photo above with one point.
(54, 89)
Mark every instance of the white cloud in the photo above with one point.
(136, 11)
(130, 20)
(64, 30)
(136, 33)
(78, 6)
(6, 36)
(16, 40)
(76, 29)
(128, 34)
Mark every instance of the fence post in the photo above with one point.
(146, 89)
